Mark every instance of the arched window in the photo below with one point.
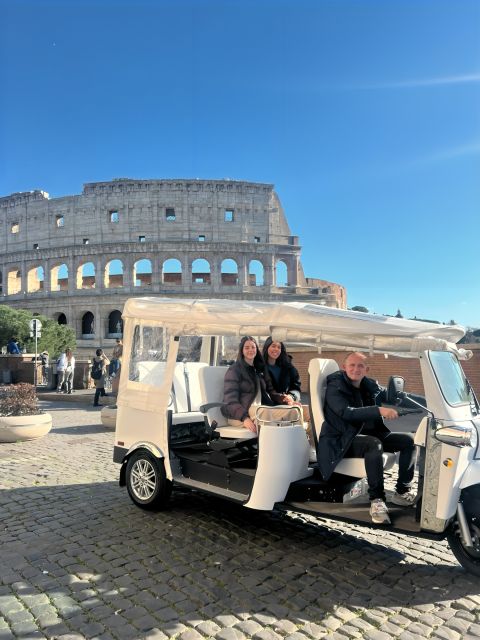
(114, 274)
(88, 326)
(142, 273)
(115, 324)
(201, 271)
(229, 273)
(14, 282)
(255, 274)
(281, 275)
(172, 271)
(86, 276)
(61, 318)
(35, 279)
(59, 278)
(1, 282)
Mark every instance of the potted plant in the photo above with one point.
(20, 416)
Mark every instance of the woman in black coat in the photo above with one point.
(246, 383)
(283, 375)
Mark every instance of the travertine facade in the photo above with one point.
(78, 258)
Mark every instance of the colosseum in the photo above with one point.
(78, 258)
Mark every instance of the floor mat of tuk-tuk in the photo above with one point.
(357, 511)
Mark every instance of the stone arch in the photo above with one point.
(114, 274)
(88, 326)
(14, 282)
(59, 278)
(281, 274)
(1, 281)
(60, 317)
(229, 273)
(256, 274)
(115, 324)
(86, 278)
(201, 271)
(172, 271)
(35, 279)
(142, 273)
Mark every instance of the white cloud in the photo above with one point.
(468, 78)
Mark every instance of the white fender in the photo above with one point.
(282, 458)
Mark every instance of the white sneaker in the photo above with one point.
(379, 512)
(407, 499)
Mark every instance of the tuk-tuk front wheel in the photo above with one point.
(468, 557)
(146, 480)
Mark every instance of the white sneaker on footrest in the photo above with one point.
(407, 499)
(379, 512)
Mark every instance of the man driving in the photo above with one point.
(354, 428)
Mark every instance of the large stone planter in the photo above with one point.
(16, 428)
(108, 416)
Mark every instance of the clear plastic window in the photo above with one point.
(189, 349)
(451, 378)
(149, 355)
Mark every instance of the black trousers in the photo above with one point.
(99, 391)
(371, 449)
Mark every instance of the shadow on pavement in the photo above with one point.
(103, 564)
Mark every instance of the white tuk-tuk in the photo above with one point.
(170, 430)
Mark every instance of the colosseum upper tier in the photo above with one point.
(78, 258)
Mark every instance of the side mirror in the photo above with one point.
(396, 386)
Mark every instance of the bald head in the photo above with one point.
(355, 367)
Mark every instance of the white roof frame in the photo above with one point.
(321, 326)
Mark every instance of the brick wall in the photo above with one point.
(382, 368)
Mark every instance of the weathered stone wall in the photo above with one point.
(78, 258)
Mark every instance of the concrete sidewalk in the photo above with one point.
(81, 396)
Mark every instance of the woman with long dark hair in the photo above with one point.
(246, 386)
(279, 368)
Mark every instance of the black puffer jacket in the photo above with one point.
(288, 382)
(348, 411)
(241, 385)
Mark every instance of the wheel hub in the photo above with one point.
(143, 479)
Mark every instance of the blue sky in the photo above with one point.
(364, 114)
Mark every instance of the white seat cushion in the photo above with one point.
(211, 390)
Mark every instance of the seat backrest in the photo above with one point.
(318, 370)
(211, 390)
(186, 394)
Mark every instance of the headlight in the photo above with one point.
(457, 436)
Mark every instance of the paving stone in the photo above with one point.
(117, 572)
(208, 628)
(229, 633)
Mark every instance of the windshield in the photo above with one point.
(451, 378)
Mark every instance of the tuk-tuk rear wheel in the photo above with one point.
(468, 557)
(146, 481)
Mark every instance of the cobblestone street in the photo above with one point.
(79, 560)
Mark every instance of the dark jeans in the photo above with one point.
(371, 448)
(99, 391)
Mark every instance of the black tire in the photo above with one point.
(468, 557)
(146, 480)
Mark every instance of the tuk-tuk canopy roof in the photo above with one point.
(297, 322)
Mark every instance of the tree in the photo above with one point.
(398, 314)
(359, 308)
(15, 323)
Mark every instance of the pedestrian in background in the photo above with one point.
(13, 346)
(65, 370)
(99, 371)
(44, 357)
(116, 360)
